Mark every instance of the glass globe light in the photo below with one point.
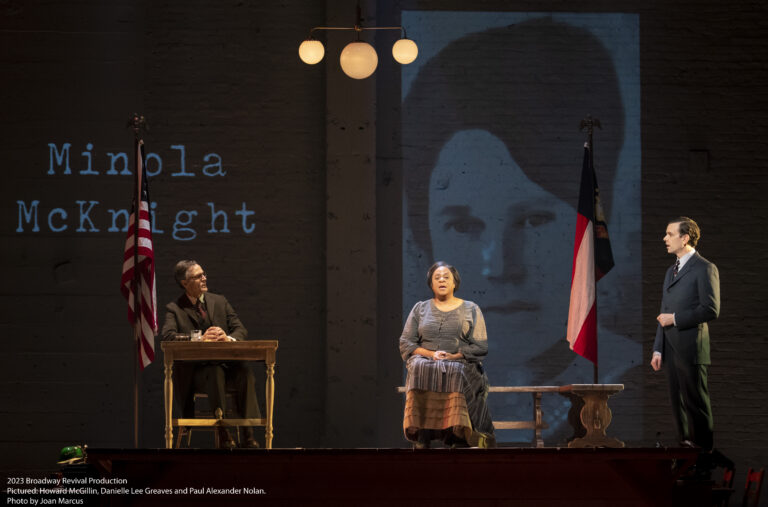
(358, 60)
(311, 51)
(405, 51)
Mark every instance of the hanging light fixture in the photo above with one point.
(358, 59)
(311, 51)
(405, 51)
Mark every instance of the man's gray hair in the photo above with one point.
(180, 271)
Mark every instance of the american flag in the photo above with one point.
(143, 285)
(592, 259)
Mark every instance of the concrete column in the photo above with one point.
(351, 357)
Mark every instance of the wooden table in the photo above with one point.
(248, 350)
(591, 403)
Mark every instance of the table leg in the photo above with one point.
(168, 386)
(270, 400)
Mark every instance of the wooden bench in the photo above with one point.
(589, 415)
(537, 424)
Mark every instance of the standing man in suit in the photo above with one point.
(691, 298)
(198, 309)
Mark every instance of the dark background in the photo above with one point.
(314, 154)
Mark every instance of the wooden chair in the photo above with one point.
(205, 413)
(753, 487)
(722, 491)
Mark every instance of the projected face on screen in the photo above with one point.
(492, 157)
(507, 234)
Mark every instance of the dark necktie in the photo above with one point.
(677, 268)
(204, 315)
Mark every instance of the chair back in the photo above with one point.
(753, 487)
(727, 478)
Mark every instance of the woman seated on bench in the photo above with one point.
(443, 342)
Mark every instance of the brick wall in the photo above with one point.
(704, 154)
(219, 78)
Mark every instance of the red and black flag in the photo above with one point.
(592, 259)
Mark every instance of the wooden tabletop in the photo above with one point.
(244, 350)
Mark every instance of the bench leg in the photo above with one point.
(595, 417)
(537, 419)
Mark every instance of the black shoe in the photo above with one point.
(225, 439)
(423, 440)
(250, 443)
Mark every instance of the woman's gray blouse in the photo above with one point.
(459, 330)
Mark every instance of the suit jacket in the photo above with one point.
(694, 297)
(181, 317)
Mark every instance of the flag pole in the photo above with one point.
(137, 123)
(589, 125)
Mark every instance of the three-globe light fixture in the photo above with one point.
(358, 59)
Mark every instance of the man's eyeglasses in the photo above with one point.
(199, 276)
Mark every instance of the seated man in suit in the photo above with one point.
(198, 309)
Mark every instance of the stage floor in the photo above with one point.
(467, 477)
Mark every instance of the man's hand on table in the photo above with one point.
(215, 334)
